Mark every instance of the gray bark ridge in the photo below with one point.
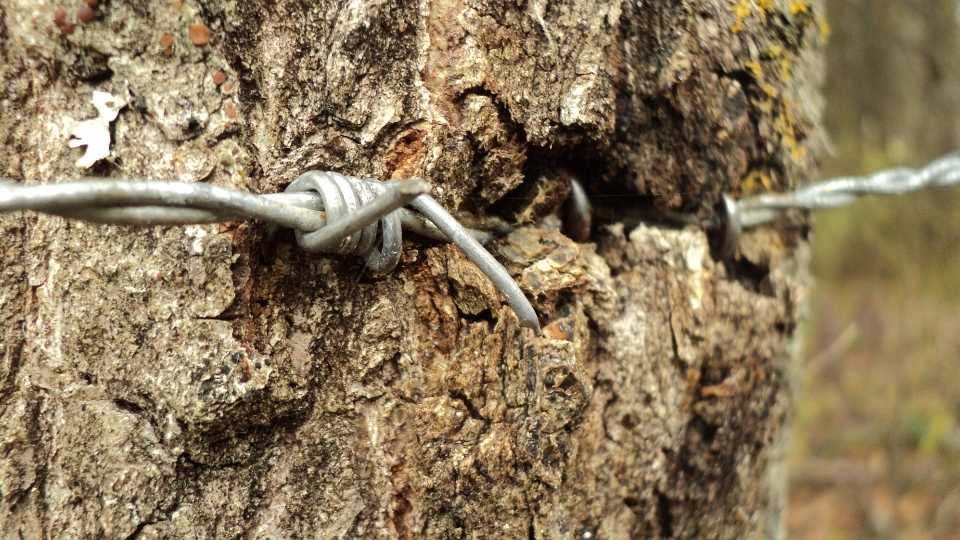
(206, 382)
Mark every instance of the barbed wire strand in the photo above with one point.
(352, 205)
(943, 171)
(735, 215)
(355, 205)
(154, 215)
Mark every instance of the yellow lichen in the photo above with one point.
(785, 69)
(754, 181)
(799, 6)
(786, 127)
(784, 124)
(824, 26)
(765, 106)
(741, 10)
(754, 67)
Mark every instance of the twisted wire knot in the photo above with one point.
(341, 196)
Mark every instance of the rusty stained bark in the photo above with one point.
(204, 382)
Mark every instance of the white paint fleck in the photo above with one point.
(95, 133)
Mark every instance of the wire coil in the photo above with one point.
(341, 196)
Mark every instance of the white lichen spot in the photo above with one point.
(95, 133)
(694, 256)
(537, 9)
(197, 233)
(576, 100)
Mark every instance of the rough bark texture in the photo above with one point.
(206, 382)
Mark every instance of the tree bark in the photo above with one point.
(215, 382)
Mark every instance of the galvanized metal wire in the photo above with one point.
(328, 211)
(296, 210)
(334, 213)
(837, 192)
(735, 215)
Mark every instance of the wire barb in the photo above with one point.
(483, 259)
(353, 206)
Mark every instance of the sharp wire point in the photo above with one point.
(577, 215)
(733, 228)
(482, 258)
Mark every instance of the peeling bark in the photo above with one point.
(210, 382)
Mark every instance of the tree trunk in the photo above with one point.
(216, 382)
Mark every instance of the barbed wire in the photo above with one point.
(328, 211)
(735, 215)
(302, 210)
(333, 213)
(747, 212)
(837, 192)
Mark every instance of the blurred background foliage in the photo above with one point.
(876, 437)
(893, 98)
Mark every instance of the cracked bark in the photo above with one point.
(207, 382)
